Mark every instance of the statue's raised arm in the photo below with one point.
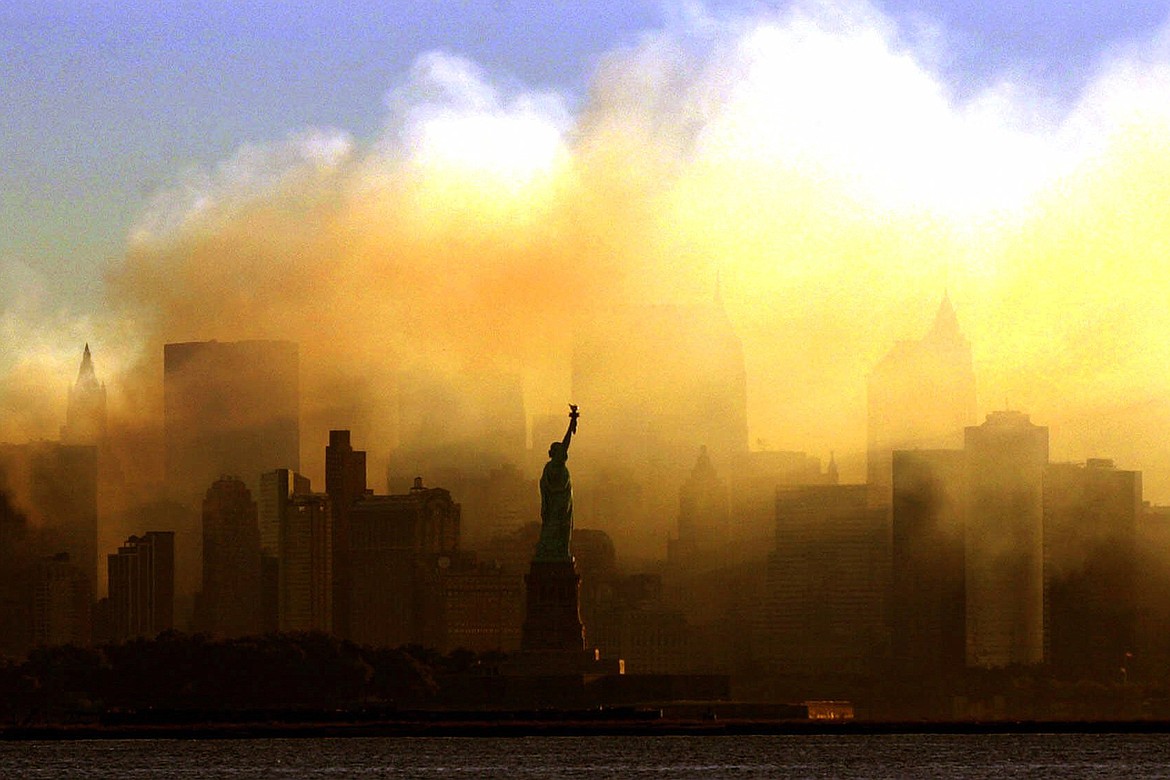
(573, 415)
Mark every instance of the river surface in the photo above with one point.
(997, 756)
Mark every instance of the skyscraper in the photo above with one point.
(306, 564)
(928, 594)
(703, 518)
(345, 483)
(276, 492)
(921, 396)
(1090, 568)
(1006, 456)
(142, 586)
(85, 417)
(397, 544)
(827, 580)
(229, 605)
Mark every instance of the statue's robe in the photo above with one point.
(556, 512)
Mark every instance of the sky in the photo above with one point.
(420, 166)
(106, 102)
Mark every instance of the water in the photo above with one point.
(996, 756)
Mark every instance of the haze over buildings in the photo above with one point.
(471, 221)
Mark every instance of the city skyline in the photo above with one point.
(858, 305)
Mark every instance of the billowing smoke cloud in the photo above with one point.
(815, 157)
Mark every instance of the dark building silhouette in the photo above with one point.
(277, 489)
(482, 606)
(928, 596)
(903, 415)
(16, 558)
(275, 493)
(55, 487)
(1006, 456)
(633, 622)
(85, 417)
(62, 603)
(703, 518)
(142, 586)
(828, 577)
(1152, 600)
(230, 602)
(1090, 568)
(228, 408)
(306, 564)
(397, 545)
(345, 483)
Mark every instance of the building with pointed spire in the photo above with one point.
(921, 396)
(703, 518)
(85, 417)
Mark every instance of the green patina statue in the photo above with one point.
(556, 500)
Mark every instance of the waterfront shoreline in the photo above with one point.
(566, 728)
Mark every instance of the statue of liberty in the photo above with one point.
(556, 500)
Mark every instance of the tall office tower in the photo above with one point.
(228, 408)
(345, 483)
(276, 490)
(1006, 456)
(1152, 601)
(62, 602)
(703, 519)
(142, 586)
(826, 580)
(928, 596)
(15, 576)
(229, 605)
(397, 544)
(1090, 568)
(55, 487)
(85, 417)
(306, 564)
(921, 396)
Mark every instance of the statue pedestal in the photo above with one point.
(553, 618)
(553, 668)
